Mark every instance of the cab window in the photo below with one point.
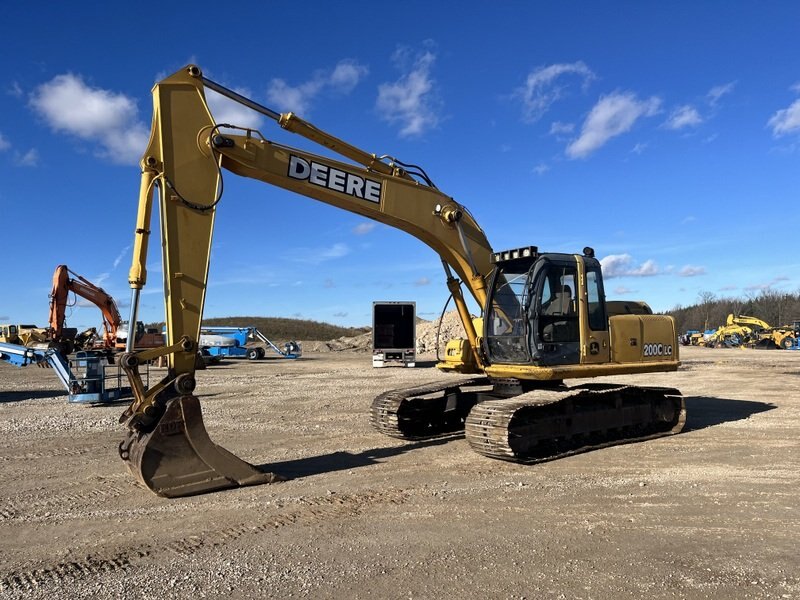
(594, 291)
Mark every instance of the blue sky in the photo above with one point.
(664, 135)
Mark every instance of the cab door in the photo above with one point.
(595, 346)
(553, 314)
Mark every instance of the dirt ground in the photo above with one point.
(709, 513)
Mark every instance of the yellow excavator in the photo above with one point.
(737, 331)
(544, 316)
(761, 334)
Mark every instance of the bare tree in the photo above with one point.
(707, 299)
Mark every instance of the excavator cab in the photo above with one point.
(533, 314)
(9, 334)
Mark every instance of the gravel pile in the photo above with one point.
(451, 327)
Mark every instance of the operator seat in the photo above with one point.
(559, 321)
(560, 303)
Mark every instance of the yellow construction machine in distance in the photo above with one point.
(752, 332)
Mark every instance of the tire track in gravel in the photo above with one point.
(60, 574)
(309, 511)
(50, 454)
(22, 506)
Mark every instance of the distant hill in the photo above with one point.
(280, 329)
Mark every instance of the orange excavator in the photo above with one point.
(113, 325)
(63, 284)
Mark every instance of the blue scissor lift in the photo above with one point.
(88, 377)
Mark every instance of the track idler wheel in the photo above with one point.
(177, 458)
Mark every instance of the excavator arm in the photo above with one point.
(744, 320)
(185, 160)
(63, 285)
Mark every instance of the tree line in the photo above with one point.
(279, 329)
(774, 307)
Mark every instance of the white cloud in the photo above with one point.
(315, 256)
(622, 290)
(768, 285)
(346, 75)
(541, 89)
(231, 112)
(69, 105)
(786, 121)
(684, 116)
(613, 115)
(29, 159)
(125, 146)
(363, 228)
(15, 90)
(336, 251)
(4, 143)
(422, 281)
(296, 99)
(121, 255)
(718, 91)
(410, 101)
(692, 271)
(558, 128)
(343, 78)
(640, 147)
(541, 169)
(621, 265)
(340, 315)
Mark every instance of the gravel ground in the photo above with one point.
(710, 513)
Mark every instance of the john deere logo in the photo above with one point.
(334, 179)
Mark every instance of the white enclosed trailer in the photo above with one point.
(394, 333)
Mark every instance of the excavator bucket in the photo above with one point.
(177, 458)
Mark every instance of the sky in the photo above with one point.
(665, 135)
